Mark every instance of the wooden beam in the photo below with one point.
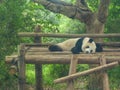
(111, 44)
(63, 59)
(45, 49)
(32, 34)
(32, 52)
(37, 44)
(36, 49)
(111, 49)
(114, 44)
(87, 72)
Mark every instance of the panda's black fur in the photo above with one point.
(76, 45)
(99, 47)
(55, 48)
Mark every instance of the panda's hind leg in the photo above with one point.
(55, 48)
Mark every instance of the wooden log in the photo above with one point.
(111, 50)
(69, 53)
(104, 74)
(37, 44)
(32, 34)
(95, 60)
(111, 44)
(72, 70)
(62, 59)
(114, 44)
(49, 53)
(44, 49)
(21, 67)
(36, 49)
(87, 72)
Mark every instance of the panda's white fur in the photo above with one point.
(75, 45)
(88, 50)
(68, 44)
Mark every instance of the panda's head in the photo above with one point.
(89, 50)
(85, 44)
(93, 47)
(88, 45)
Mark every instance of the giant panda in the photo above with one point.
(77, 45)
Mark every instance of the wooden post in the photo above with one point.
(105, 75)
(38, 67)
(21, 67)
(72, 70)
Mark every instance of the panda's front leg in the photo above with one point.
(75, 50)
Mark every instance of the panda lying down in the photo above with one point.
(77, 45)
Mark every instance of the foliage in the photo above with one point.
(30, 74)
(114, 75)
(10, 22)
(112, 26)
(54, 71)
(9, 25)
(93, 4)
(113, 19)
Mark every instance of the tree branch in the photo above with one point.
(81, 3)
(80, 12)
(103, 10)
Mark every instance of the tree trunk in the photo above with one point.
(95, 26)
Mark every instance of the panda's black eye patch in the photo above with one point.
(87, 47)
(91, 51)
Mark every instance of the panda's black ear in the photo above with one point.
(90, 40)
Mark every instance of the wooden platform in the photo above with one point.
(37, 53)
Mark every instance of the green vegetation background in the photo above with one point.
(22, 16)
